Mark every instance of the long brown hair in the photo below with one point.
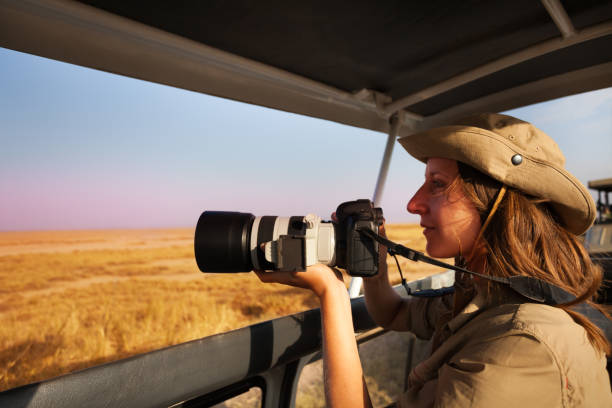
(525, 237)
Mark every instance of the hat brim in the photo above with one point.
(492, 154)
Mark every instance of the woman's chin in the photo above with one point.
(437, 252)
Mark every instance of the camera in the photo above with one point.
(240, 242)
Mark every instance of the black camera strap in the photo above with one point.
(532, 288)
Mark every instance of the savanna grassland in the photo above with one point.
(73, 299)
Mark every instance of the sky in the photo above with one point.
(84, 149)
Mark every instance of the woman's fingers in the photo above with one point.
(297, 279)
(274, 277)
(381, 229)
(316, 278)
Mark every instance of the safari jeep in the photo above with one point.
(392, 67)
(598, 239)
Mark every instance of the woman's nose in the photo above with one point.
(417, 204)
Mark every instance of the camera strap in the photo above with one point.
(534, 289)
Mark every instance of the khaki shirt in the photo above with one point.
(510, 355)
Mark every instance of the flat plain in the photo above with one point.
(73, 299)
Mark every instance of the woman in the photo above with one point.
(496, 198)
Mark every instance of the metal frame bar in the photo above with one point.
(526, 54)
(201, 368)
(386, 160)
(599, 204)
(61, 30)
(186, 371)
(395, 123)
(583, 80)
(559, 15)
(98, 20)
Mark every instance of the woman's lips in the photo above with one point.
(426, 229)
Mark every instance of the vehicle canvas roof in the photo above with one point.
(601, 185)
(354, 62)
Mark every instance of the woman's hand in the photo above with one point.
(382, 255)
(317, 278)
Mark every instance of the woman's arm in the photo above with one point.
(387, 308)
(391, 311)
(384, 304)
(344, 385)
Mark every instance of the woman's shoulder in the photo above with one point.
(526, 337)
(550, 326)
(539, 317)
(534, 318)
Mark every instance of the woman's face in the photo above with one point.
(450, 219)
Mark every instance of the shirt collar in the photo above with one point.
(468, 312)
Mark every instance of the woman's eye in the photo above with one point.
(438, 184)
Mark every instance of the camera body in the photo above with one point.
(355, 252)
(241, 242)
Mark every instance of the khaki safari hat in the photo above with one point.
(515, 153)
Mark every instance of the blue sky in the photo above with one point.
(86, 149)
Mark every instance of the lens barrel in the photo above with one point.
(222, 241)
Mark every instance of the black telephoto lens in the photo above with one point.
(222, 241)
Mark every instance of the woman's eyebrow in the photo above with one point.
(434, 173)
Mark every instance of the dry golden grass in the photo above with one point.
(73, 300)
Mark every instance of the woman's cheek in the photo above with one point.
(442, 243)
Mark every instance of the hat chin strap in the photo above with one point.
(498, 199)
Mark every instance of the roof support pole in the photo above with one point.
(394, 124)
(560, 17)
(599, 206)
